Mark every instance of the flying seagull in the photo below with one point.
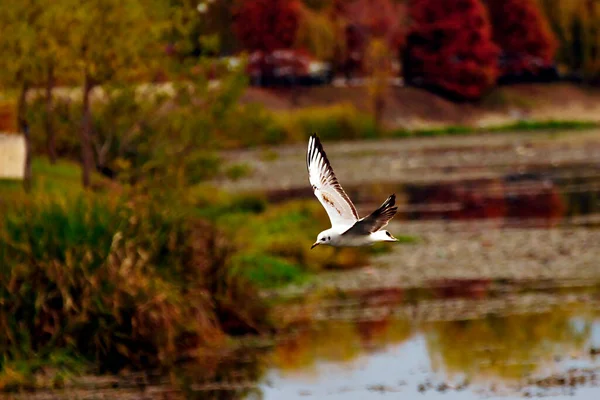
(347, 229)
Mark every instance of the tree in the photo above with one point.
(266, 25)
(316, 33)
(52, 49)
(21, 64)
(113, 40)
(523, 34)
(379, 68)
(575, 24)
(450, 49)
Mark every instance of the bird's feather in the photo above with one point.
(376, 220)
(326, 187)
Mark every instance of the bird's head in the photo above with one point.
(388, 237)
(323, 238)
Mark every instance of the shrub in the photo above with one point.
(523, 34)
(266, 24)
(252, 125)
(341, 121)
(450, 49)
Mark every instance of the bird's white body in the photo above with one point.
(337, 239)
(347, 228)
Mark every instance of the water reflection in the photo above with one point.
(340, 342)
(509, 347)
(546, 195)
(500, 353)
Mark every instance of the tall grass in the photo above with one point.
(112, 283)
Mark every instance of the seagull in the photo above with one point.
(347, 229)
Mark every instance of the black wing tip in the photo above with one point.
(390, 201)
(389, 208)
(316, 141)
(316, 146)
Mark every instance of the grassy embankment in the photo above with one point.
(104, 280)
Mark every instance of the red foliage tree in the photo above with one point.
(523, 34)
(266, 24)
(450, 49)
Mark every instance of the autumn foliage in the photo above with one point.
(266, 24)
(450, 49)
(523, 34)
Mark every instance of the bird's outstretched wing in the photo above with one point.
(376, 220)
(326, 187)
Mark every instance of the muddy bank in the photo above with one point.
(471, 251)
(417, 161)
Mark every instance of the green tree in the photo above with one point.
(52, 48)
(378, 64)
(575, 24)
(112, 40)
(316, 33)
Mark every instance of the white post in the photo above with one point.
(12, 156)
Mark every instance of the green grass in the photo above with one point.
(267, 271)
(62, 179)
(550, 125)
(519, 126)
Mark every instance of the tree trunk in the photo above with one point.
(24, 128)
(87, 155)
(378, 106)
(50, 134)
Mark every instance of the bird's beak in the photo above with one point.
(314, 245)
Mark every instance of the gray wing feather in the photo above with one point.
(376, 220)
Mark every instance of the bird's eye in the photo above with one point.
(387, 233)
(322, 240)
(328, 237)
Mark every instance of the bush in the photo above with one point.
(252, 125)
(337, 122)
(113, 283)
(450, 49)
